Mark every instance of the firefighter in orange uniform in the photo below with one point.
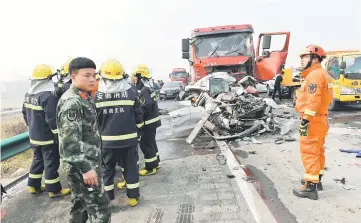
(315, 96)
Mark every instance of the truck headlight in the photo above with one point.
(162, 91)
(347, 90)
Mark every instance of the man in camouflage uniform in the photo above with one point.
(80, 145)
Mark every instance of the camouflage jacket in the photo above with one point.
(79, 138)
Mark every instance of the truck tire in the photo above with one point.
(293, 96)
(334, 105)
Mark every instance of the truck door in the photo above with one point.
(271, 56)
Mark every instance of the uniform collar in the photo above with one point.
(306, 72)
(84, 95)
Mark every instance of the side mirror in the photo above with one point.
(343, 65)
(185, 55)
(169, 75)
(185, 45)
(266, 42)
(188, 74)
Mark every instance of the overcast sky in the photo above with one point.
(150, 31)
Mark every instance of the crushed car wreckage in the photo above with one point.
(230, 112)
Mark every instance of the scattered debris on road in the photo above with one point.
(231, 176)
(342, 183)
(163, 112)
(342, 180)
(358, 152)
(222, 160)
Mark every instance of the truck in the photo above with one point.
(230, 49)
(179, 74)
(344, 67)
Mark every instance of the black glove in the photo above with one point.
(304, 127)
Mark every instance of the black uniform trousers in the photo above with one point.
(129, 159)
(45, 157)
(148, 145)
(278, 90)
(120, 162)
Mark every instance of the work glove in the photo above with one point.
(304, 127)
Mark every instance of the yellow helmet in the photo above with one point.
(65, 68)
(143, 70)
(41, 72)
(112, 69)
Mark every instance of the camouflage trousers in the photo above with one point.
(88, 202)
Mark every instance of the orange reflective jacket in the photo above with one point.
(315, 94)
(95, 89)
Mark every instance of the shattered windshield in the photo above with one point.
(353, 64)
(179, 75)
(218, 85)
(224, 44)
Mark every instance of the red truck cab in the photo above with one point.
(179, 74)
(231, 49)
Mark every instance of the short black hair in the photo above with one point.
(80, 63)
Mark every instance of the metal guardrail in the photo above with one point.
(14, 145)
(10, 112)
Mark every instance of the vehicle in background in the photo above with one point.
(171, 89)
(179, 74)
(345, 69)
(230, 49)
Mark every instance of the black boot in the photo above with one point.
(318, 186)
(308, 190)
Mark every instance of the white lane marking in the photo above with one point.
(260, 211)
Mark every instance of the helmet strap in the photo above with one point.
(312, 56)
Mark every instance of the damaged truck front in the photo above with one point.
(231, 49)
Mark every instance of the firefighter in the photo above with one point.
(121, 184)
(315, 96)
(64, 82)
(119, 117)
(151, 118)
(39, 110)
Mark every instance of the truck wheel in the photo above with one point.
(293, 94)
(334, 105)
